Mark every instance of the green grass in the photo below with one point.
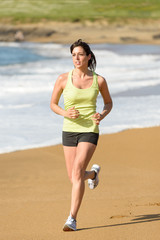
(78, 10)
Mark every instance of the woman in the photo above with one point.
(80, 88)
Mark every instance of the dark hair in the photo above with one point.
(85, 46)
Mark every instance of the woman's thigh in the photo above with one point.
(69, 154)
(78, 157)
(84, 153)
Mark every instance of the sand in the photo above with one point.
(35, 191)
(139, 31)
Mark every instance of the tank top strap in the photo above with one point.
(69, 80)
(95, 80)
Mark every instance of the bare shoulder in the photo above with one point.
(62, 80)
(101, 82)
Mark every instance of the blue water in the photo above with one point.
(28, 72)
(15, 55)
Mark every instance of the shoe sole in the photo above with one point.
(67, 229)
(92, 186)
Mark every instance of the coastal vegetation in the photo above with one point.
(23, 11)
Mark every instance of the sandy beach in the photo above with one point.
(131, 31)
(35, 191)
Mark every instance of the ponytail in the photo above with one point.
(92, 62)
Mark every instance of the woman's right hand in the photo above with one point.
(72, 113)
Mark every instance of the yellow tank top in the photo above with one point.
(84, 101)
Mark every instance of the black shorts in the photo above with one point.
(73, 138)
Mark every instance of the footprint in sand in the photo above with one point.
(119, 216)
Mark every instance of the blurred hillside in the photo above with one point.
(61, 20)
(73, 10)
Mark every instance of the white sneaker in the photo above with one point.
(70, 224)
(92, 183)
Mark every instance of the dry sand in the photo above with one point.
(131, 31)
(35, 191)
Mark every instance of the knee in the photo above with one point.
(77, 174)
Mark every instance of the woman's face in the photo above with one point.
(79, 57)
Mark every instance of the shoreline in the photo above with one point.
(41, 146)
(131, 31)
(35, 188)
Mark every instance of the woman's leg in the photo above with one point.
(83, 155)
(70, 155)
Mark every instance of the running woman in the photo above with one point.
(80, 88)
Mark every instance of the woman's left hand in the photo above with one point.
(97, 117)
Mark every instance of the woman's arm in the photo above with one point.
(97, 117)
(57, 92)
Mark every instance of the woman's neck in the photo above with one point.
(81, 73)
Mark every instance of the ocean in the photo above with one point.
(28, 72)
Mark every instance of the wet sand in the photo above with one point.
(35, 191)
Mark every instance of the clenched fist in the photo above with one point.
(72, 113)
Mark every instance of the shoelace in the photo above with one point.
(71, 219)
